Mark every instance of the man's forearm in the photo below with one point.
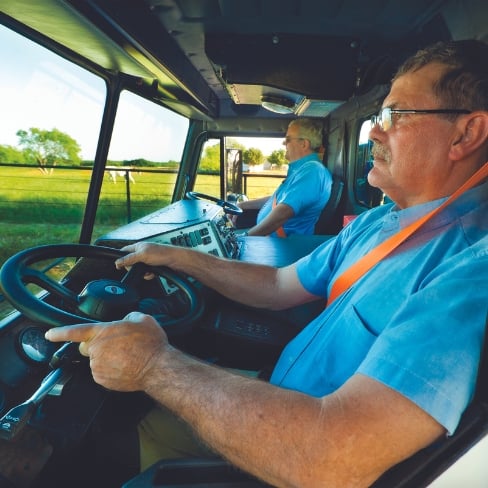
(246, 283)
(276, 218)
(252, 284)
(267, 423)
(289, 439)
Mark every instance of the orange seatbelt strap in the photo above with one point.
(359, 268)
(280, 232)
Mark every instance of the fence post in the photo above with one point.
(127, 191)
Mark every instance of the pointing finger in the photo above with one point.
(73, 333)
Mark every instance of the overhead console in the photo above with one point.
(188, 223)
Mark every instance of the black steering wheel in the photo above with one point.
(99, 300)
(228, 207)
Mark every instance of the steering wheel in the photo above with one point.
(228, 207)
(100, 300)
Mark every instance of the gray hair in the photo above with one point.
(464, 83)
(310, 129)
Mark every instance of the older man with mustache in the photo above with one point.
(390, 365)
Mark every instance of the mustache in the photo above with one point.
(380, 151)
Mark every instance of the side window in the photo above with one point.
(251, 166)
(208, 175)
(143, 162)
(365, 194)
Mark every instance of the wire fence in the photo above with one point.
(59, 194)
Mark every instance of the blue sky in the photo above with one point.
(39, 89)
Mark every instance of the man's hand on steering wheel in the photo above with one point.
(100, 299)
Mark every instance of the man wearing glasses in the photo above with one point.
(390, 365)
(295, 206)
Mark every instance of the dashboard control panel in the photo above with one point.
(188, 223)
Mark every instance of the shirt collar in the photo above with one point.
(298, 163)
(465, 203)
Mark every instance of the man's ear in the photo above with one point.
(308, 144)
(471, 136)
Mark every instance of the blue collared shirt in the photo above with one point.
(306, 190)
(414, 322)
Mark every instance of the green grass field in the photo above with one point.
(40, 209)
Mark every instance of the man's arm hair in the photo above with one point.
(348, 438)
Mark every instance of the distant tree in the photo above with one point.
(233, 144)
(139, 162)
(253, 156)
(211, 159)
(277, 158)
(10, 154)
(172, 164)
(49, 148)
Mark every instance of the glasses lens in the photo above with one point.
(290, 138)
(385, 118)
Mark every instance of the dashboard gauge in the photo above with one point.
(34, 346)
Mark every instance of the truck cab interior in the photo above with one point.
(230, 69)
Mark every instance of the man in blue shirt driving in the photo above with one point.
(390, 365)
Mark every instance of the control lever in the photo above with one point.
(17, 417)
(67, 354)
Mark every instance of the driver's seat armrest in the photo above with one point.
(193, 472)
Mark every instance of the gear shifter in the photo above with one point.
(61, 364)
(67, 354)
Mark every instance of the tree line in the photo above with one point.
(50, 148)
(252, 156)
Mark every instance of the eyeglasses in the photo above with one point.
(289, 138)
(384, 118)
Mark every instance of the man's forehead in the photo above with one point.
(415, 87)
(293, 129)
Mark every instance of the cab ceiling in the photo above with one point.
(314, 52)
(218, 56)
